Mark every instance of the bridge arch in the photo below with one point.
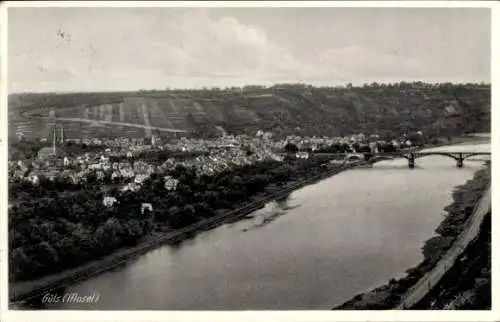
(453, 155)
(354, 156)
(387, 157)
(470, 155)
(379, 158)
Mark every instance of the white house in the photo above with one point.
(155, 140)
(19, 173)
(74, 178)
(268, 136)
(115, 175)
(127, 173)
(145, 206)
(140, 178)
(100, 175)
(131, 187)
(170, 183)
(374, 147)
(302, 155)
(34, 179)
(109, 201)
(95, 166)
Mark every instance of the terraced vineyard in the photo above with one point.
(290, 109)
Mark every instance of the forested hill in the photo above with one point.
(437, 109)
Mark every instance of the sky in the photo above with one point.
(100, 49)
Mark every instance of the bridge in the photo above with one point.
(410, 155)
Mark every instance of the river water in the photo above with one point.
(322, 245)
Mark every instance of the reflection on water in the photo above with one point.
(321, 245)
(271, 212)
(187, 239)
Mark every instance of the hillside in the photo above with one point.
(441, 109)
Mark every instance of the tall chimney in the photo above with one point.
(54, 141)
(62, 133)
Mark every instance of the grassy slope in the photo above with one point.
(288, 110)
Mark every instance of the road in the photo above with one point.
(81, 120)
(417, 293)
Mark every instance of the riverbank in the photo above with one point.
(463, 139)
(467, 285)
(388, 296)
(22, 291)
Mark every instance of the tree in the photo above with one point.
(107, 235)
(132, 231)
(175, 217)
(67, 249)
(346, 148)
(203, 210)
(45, 256)
(91, 178)
(291, 148)
(20, 265)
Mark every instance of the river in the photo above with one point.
(322, 245)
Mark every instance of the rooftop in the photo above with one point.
(48, 152)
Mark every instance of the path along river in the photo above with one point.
(321, 246)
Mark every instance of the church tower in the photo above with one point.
(54, 141)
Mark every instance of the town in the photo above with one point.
(133, 160)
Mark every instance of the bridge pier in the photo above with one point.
(460, 161)
(411, 161)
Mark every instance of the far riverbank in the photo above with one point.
(474, 138)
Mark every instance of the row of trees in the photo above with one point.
(52, 229)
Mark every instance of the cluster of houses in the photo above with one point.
(219, 154)
(226, 158)
(373, 141)
(222, 154)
